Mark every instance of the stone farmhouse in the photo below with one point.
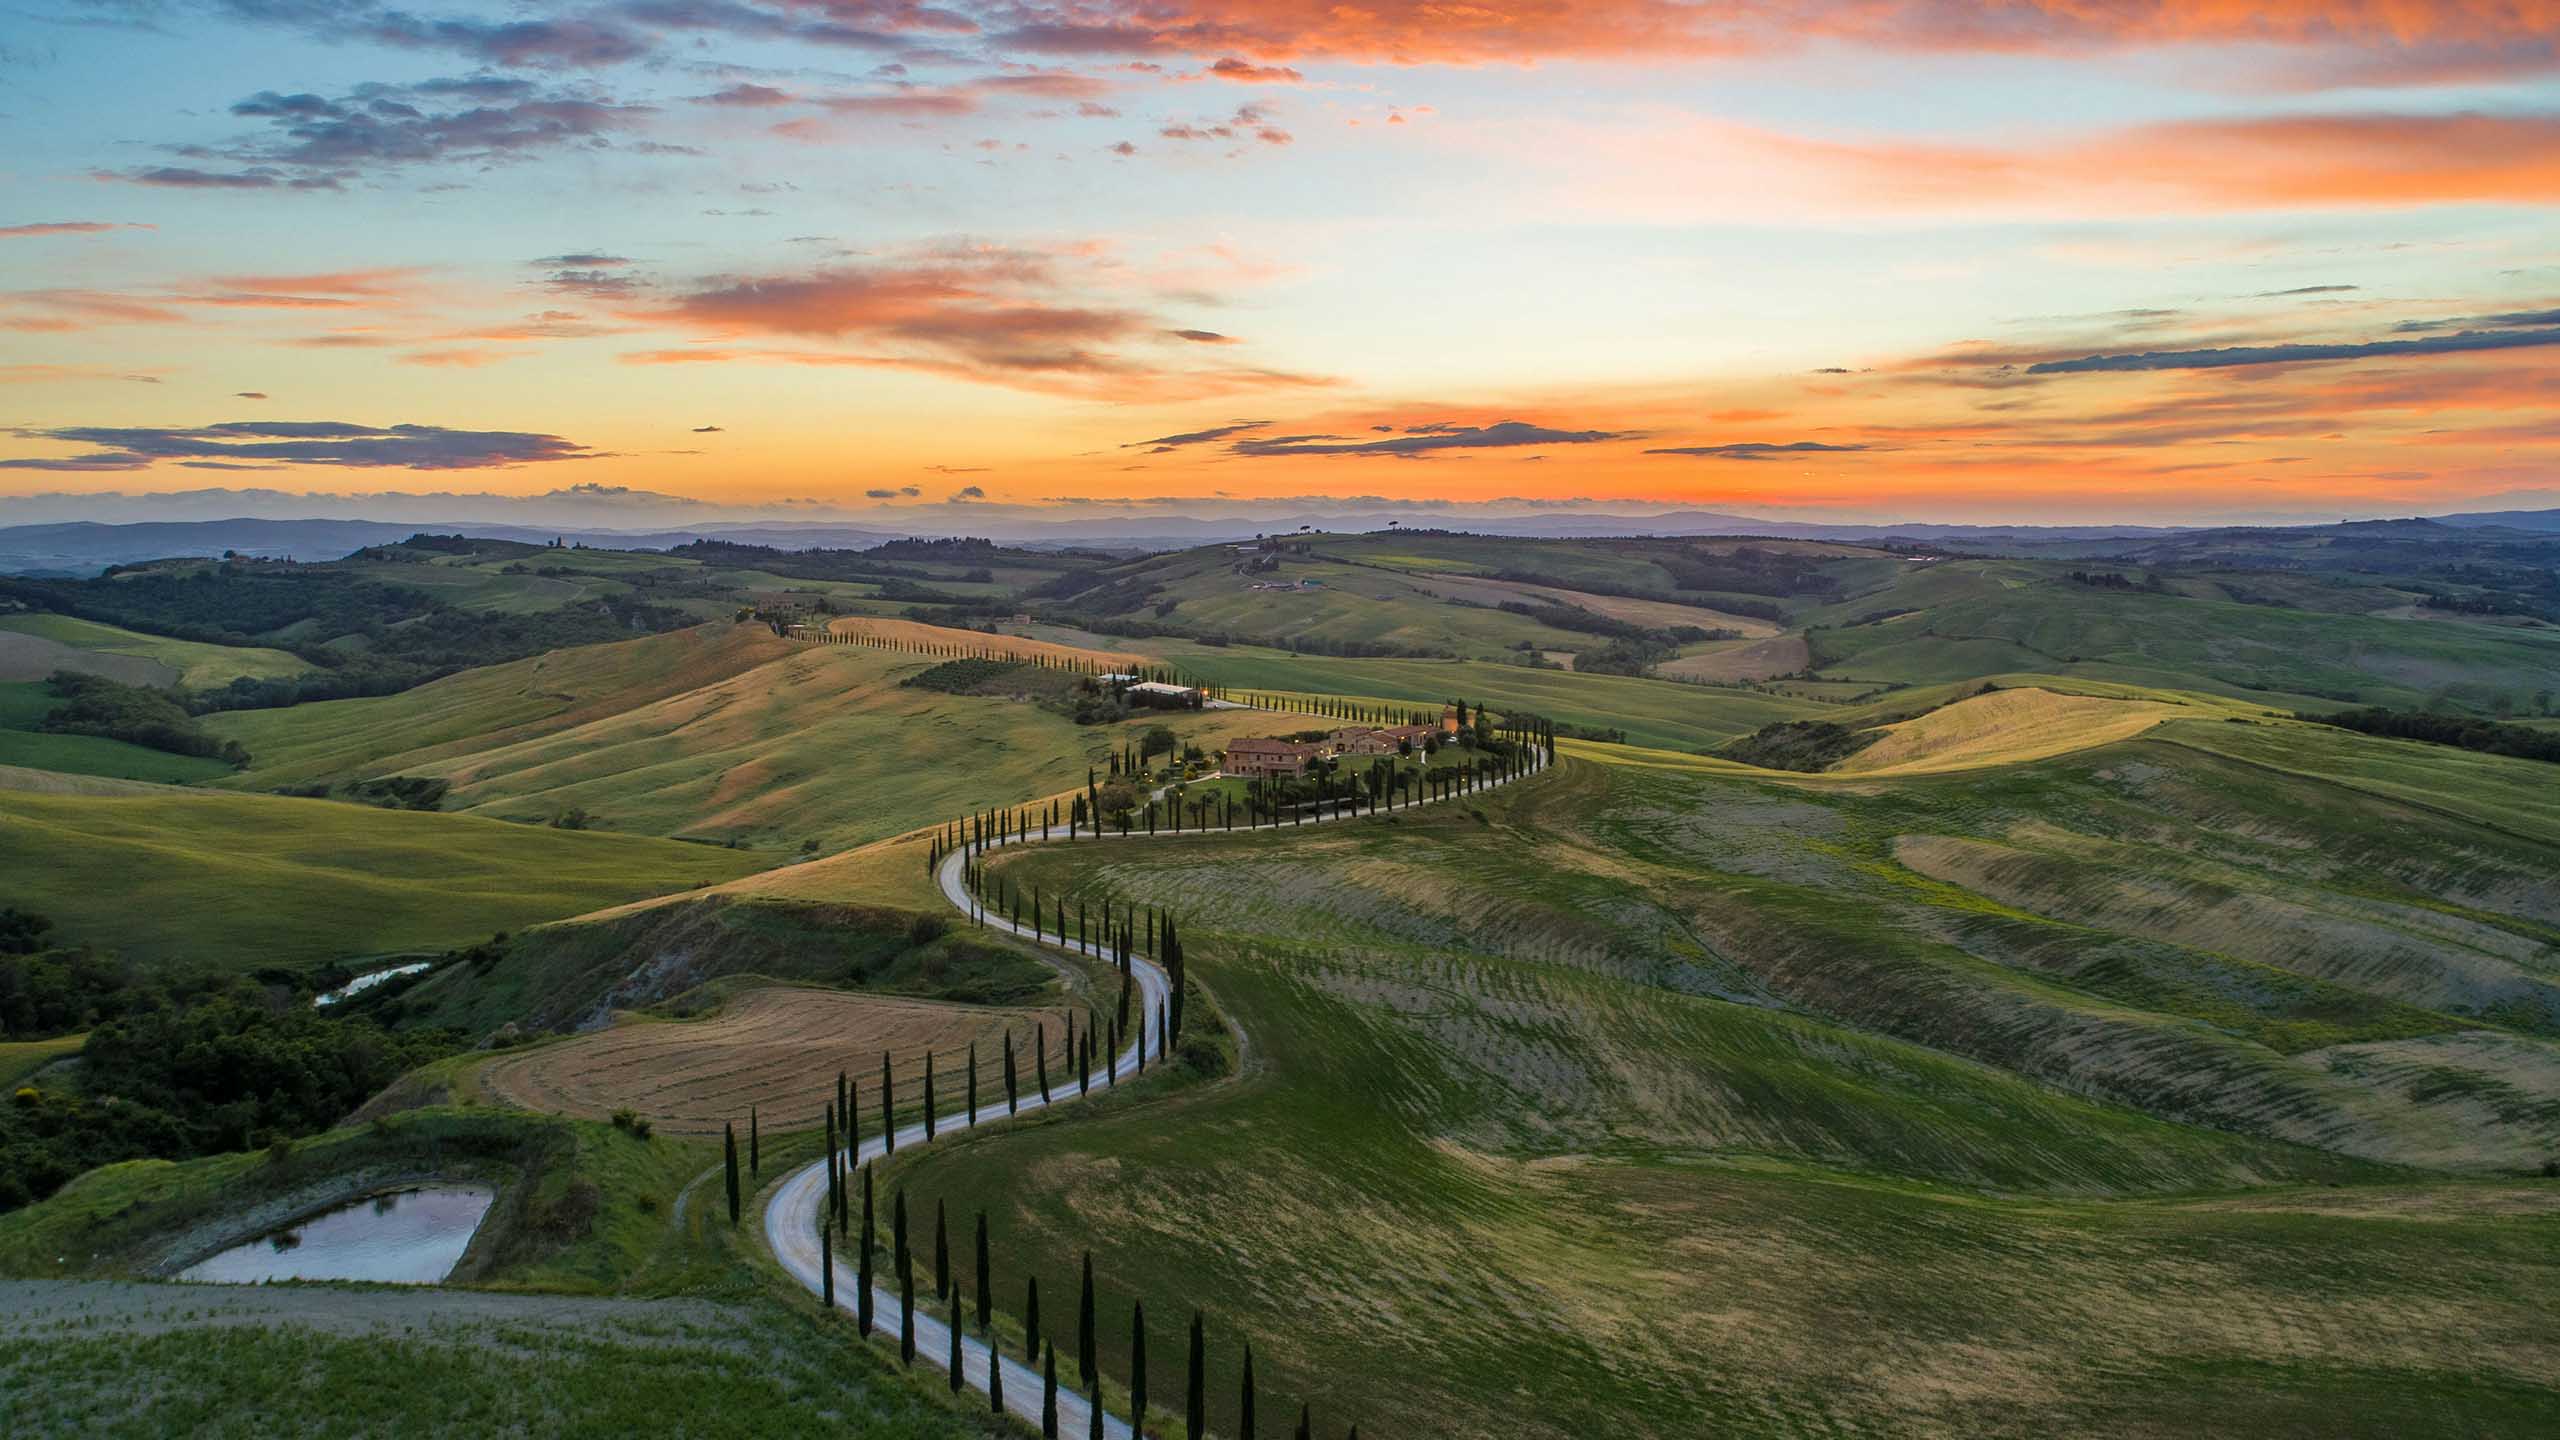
(1382, 740)
(1263, 755)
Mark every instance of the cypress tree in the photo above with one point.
(851, 1110)
(888, 1106)
(834, 1212)
(1031, 1318)
(941, 1254)
(826, 1267)
(906, 1281)
(957, 1379)
(862, 1302)
(1040, 1044)
(1086, 1370)
(1049, 1396)
(986, 1278)
(1244, 1416)
(1138, 1368)
(928, 1095)
(973, 1084)
(1195, 1408)
(729, 1139)
(844, 1104)
(1306, 1422)
(995, 1378)
(1012, 1094)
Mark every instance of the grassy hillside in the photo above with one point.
(23, 706)
(1674, 1063)
(191, 664)
(1968, 618)
(721, 732)
(583, 1211)
(248, 880)
(1650, 712)
(1323, 604)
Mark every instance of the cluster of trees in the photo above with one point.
(234, 1069)
(1749, 570)
(2114, 580)
(408, 636)
(1757, 609)
(136, 714)
(2524, 742)
(876, 565)
(1805, 745)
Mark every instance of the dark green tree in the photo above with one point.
(862, 1301)
(1031, 1318)
(1306, 1424)
(1086, 1346)
(928, 1095)
(888, 1107)
(1138, 1367)
(957, 1378)
(1012, 1096)
(1195, 1404)
(729, 1141)
(1244, 1413)
(1049, 1395)
(827, 1267)
(906, 1279)
(986, 1279)
(941, 1255)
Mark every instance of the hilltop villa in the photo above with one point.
(1382, 740)
(1263, 755)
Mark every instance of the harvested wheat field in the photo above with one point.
(1016, 647)
(2005, 727)
(1741, 660)
(777, 1049)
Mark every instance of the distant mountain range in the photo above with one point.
(84, 548)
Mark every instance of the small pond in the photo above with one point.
(367, 981)
(407, 1237)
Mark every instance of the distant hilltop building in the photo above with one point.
(1163, 696)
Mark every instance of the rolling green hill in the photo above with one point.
(720, 732)
(1653, 712)
(1666, 1054)
(195, 666)
(23, 706)
(247, 880)
(1970, 618)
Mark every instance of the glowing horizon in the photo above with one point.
(2173, 262)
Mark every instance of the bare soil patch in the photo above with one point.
(777, 1049)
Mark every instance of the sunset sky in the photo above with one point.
(2066, 260)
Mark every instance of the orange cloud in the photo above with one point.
(1413, 32)
(1683, 168)
(1033, 320)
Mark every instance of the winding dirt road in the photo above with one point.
(792, 1216)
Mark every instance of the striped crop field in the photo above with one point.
(778, 1049)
